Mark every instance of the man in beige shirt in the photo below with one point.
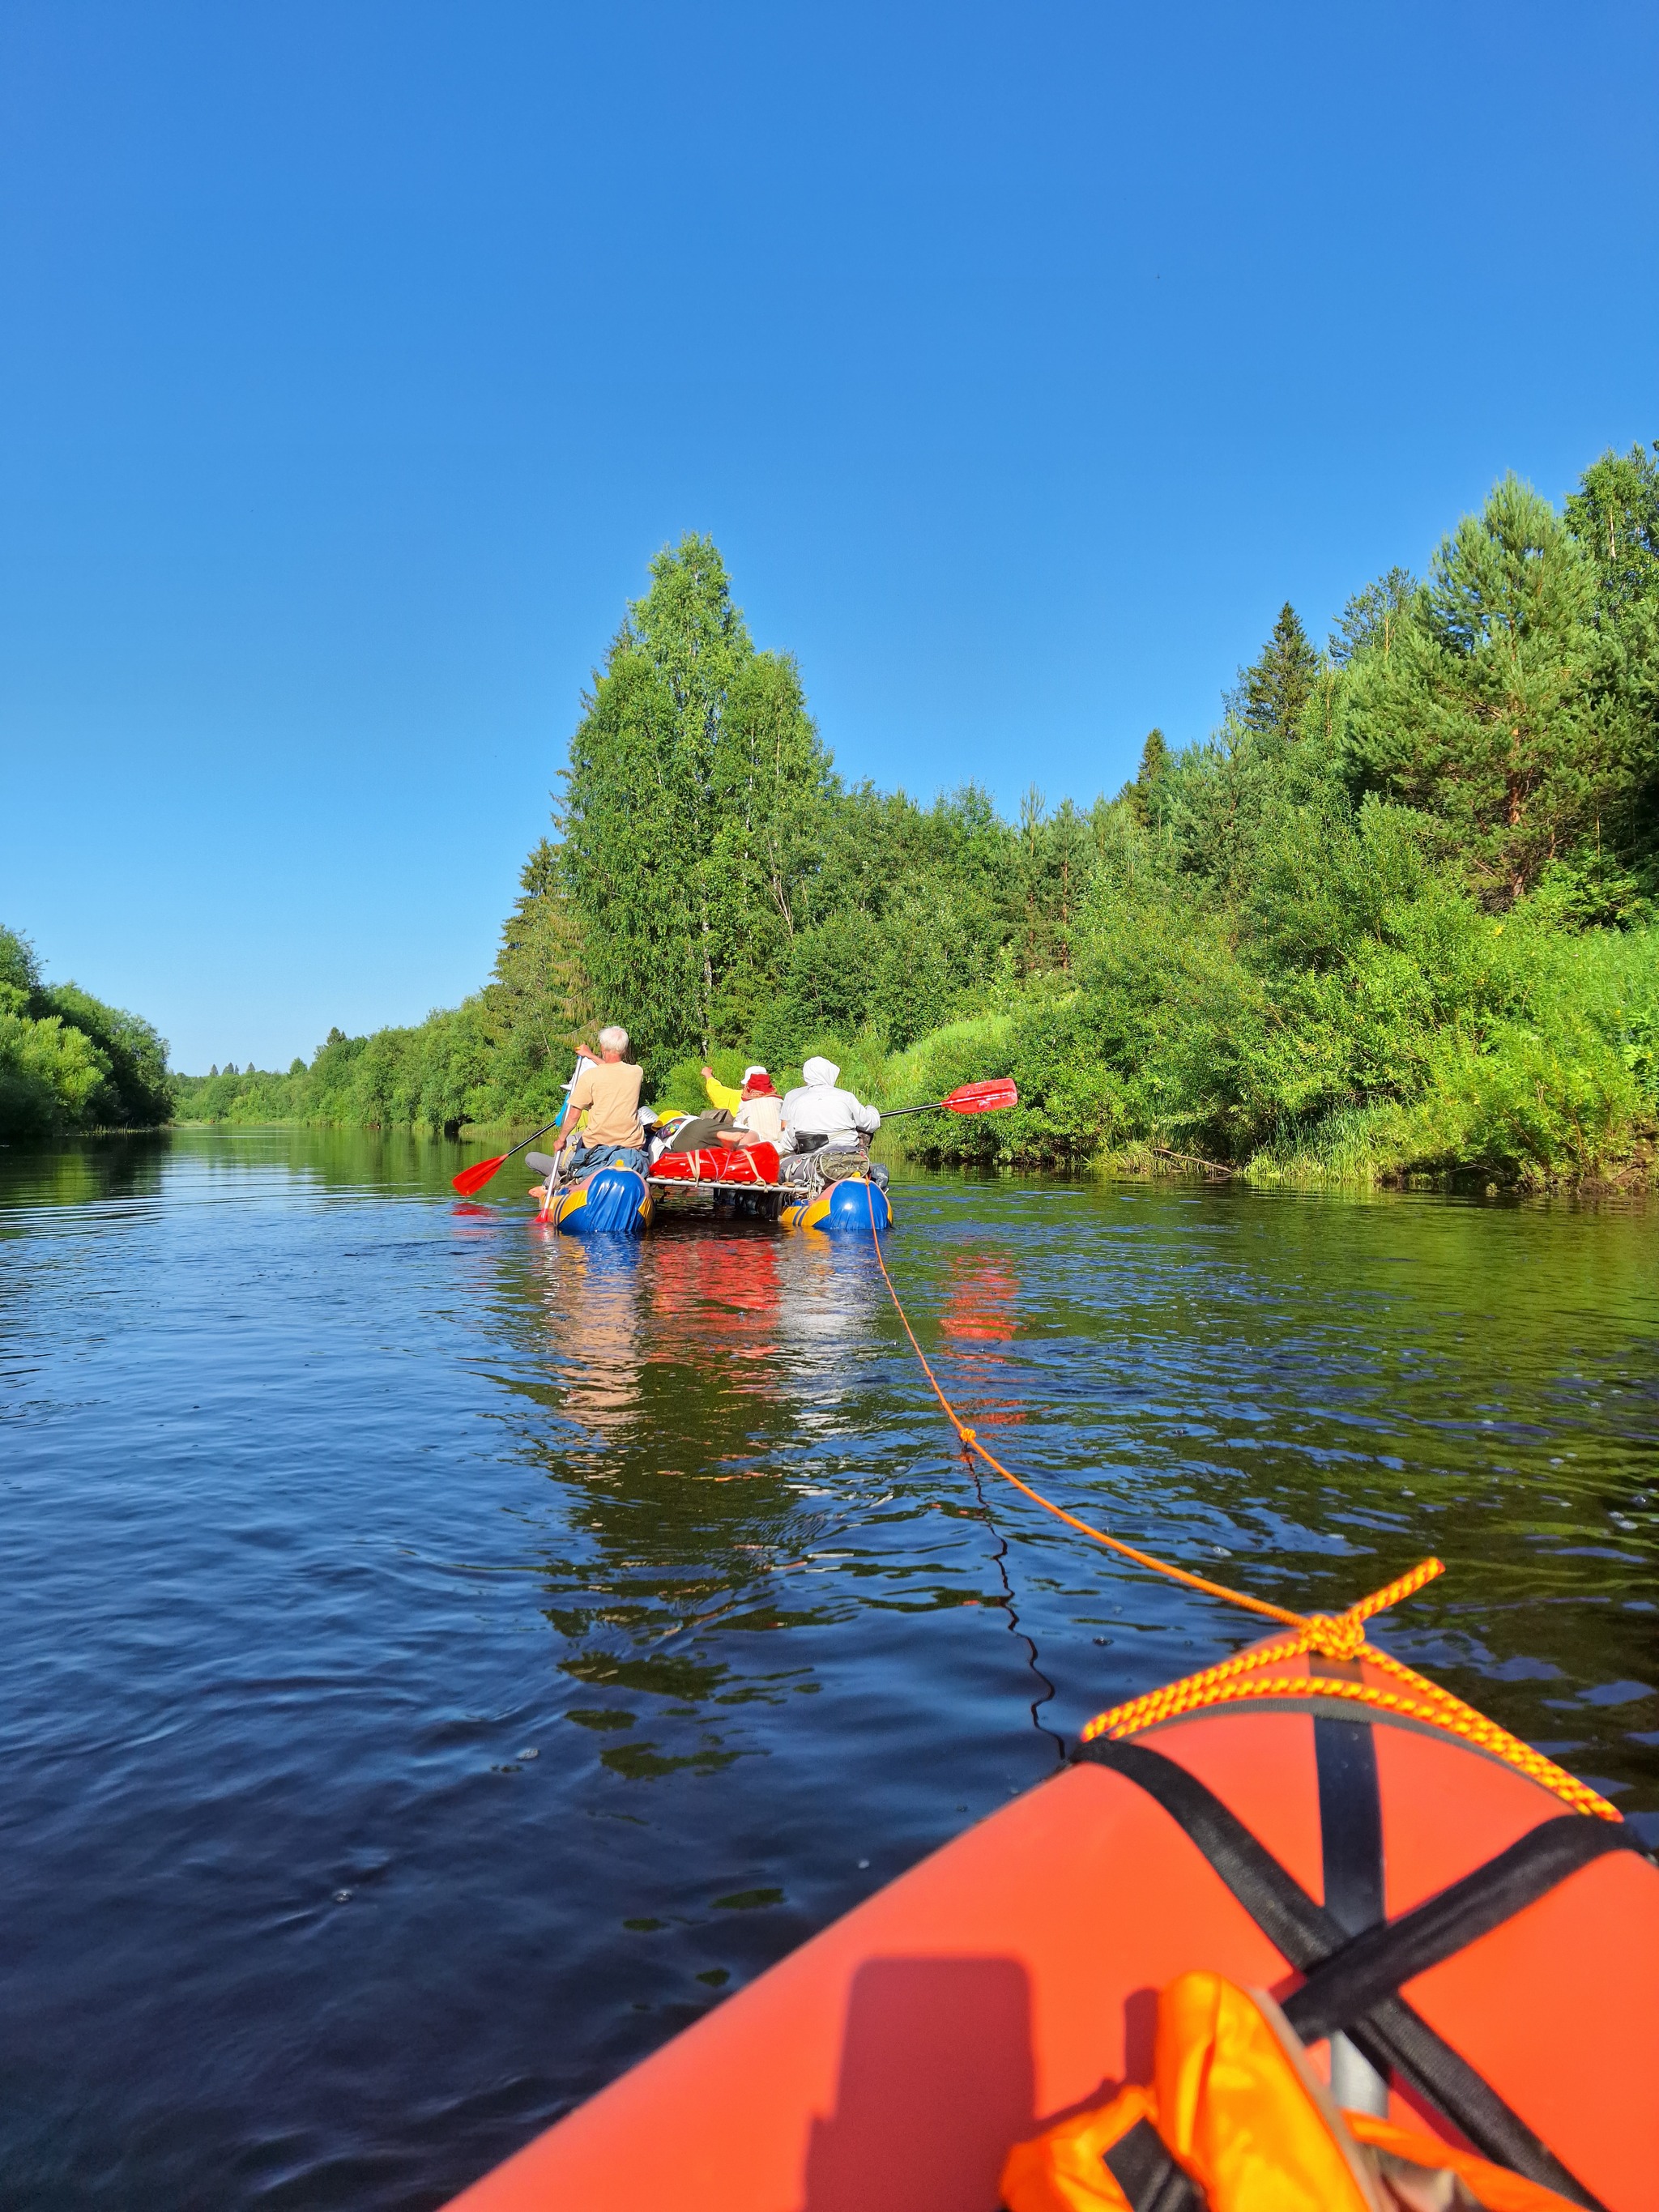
(608, 1090)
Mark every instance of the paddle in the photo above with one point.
(473, 1179)
(968, 1098)
(550, 1188)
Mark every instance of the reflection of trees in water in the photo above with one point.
(85, 1170)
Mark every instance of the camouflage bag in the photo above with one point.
(838, 1166)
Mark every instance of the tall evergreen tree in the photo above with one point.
(1493, 712)
(1276, 687)
(1140, 795)
(1614, 515)
(772, 788)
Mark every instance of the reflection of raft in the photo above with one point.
(893, 2060)
(610, 1202)
(848, 1207)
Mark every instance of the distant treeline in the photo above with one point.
(1396, 915)
(67, 1060)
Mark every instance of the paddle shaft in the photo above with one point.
(939, 1105)
(550, 1188)
(534, 1134)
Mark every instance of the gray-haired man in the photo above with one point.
(608, 1090)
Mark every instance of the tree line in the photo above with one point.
(1396, 914)
(69, 1061)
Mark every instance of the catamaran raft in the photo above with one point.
(836, 1191)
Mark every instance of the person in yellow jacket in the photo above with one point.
(755, 1108)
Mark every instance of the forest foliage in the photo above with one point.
(69, 1061)
(1398, 914)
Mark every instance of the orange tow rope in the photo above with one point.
(1334, 1635)
(972, 1443)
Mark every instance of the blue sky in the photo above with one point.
(1021, 360)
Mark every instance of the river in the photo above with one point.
(440, 1660)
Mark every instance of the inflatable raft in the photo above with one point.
(1465, 1941)
(610, 1202)
(850, 1208)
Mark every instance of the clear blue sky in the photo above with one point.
(1021, 360)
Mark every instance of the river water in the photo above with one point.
(440, 1660)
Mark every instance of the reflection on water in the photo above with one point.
(594, 1319)
(977, 1320)
(443, 1657)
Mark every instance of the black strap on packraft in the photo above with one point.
(1353, 1979)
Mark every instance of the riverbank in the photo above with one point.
(1442, 1049)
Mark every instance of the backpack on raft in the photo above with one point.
(1235, 2120)
(721, 1163)
(693, 1132)
(838, 1166)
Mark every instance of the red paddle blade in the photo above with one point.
(475, 1177)
(983, 1098)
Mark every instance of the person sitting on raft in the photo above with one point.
(819, 1118)
(755, 1110)
(608, 1090)
(745, 1116)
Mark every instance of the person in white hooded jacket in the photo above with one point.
(817, 1117)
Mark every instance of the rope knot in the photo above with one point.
(966, 1436)
(1336, 1634)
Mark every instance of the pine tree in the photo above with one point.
(1493, 712)
(1140, 795)
(772, 788)
(1154, 758)
(1070, 853)
(1274, 690)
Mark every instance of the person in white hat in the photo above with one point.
(756, 1111)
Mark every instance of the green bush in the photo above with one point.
(52, 1076)
(69, 1061)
